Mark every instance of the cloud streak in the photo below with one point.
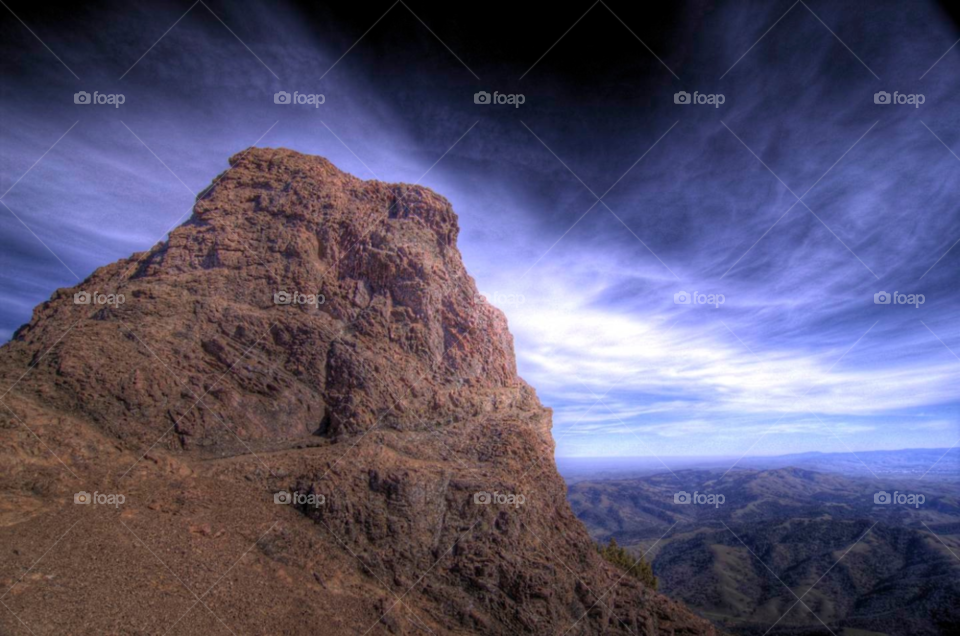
(699, 211)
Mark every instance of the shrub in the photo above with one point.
(638, 568)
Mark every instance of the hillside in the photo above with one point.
(305, 332)
(788, 528)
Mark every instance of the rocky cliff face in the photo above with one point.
(304, 332)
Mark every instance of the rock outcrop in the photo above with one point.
(304, 332)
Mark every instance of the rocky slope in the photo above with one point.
(384, 398)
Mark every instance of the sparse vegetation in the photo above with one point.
(638, 568)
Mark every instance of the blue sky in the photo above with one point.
(694, 198)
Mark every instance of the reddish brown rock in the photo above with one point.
(385, 408)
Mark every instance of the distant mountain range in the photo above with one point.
(860, 567)
(938, 464)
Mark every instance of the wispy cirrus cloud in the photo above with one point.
(798, 352)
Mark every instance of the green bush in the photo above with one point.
(638, 568)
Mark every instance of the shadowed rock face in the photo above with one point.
(391, 395)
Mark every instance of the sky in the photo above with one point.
(587, 212)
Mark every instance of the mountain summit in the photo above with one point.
(315, 425)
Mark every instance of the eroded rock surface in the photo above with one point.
(390, 396)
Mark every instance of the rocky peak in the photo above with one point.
(383, 321)
(312, 333)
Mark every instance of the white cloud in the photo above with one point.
(669, 377)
